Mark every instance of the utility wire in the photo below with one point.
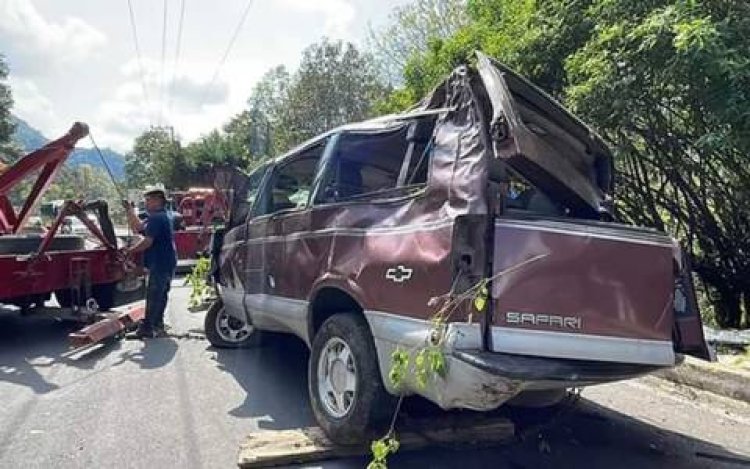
(163, 56)
(109, 169)
(226, 52)
(138, 55)
(170, 92)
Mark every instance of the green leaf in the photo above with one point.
(438, 363)
(480, 300)
(379, 450)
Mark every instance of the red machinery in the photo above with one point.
(34, 266)
(199, 209)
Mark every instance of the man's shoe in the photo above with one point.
(159, 332)
(140, 333)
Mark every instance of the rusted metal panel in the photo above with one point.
(110, 326)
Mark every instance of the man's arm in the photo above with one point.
(144, 243)
(135, 224)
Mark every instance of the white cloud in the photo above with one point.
(31, 105)
(339, 14)
(187, 102)
(34, 45)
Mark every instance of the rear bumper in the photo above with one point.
(483, 380)
(549, 370)
(582, 347)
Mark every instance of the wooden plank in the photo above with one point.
(271, 448)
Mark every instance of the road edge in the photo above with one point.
(713, 377)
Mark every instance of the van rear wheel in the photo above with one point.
(347, 393)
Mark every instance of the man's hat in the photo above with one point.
(155, 191)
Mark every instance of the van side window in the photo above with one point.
(292, 181)
(372, 162)
(253, 184)
(242, 190)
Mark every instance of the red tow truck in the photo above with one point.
(199, 210)
(87, 278)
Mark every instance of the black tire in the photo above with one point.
(64, 297)
(104, 294)
(371, 406)
(107, 295)
(124, 291)
(28, 302)
(220, 327)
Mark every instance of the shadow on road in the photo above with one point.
(584, 435)
(154, 353)
(274, 376)
(31, 344)
(27, 343)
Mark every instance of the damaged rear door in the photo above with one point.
(577, 286)
(553, 149)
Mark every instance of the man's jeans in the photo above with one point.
(157, 291)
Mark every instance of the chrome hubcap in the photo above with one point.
(337, 378)
(232, 329)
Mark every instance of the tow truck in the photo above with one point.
(199, 209)
(88, 278)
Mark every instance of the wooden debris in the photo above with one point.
(271, 448)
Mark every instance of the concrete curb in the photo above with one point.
(713, 377)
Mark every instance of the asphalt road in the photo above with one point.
(176, 402)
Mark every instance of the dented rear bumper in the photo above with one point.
(541, 369)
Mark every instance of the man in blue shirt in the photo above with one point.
(160, 258)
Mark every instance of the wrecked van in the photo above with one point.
(354, 240)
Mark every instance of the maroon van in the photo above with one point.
(345, 241)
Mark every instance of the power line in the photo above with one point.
(138, 55)
(226, 52)
(170, 92)
(109, 169)
(163, 56)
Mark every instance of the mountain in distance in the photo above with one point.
(31, 139)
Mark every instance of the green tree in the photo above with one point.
(214, 150)
(157, 157)
(7, 149)
(266, 104)
(410, 29)
(335, 84)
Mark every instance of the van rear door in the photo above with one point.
(688, 327)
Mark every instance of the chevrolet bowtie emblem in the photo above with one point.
(399, 274)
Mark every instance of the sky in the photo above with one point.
(75, 60)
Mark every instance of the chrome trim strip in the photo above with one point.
(582, 346)
(580, 230)
(336, 231)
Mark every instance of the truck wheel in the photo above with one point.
(226, 331)
(22, 244)
(64, 297)
(104, 294)
(347, 393)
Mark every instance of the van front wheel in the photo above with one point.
(225, 331)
